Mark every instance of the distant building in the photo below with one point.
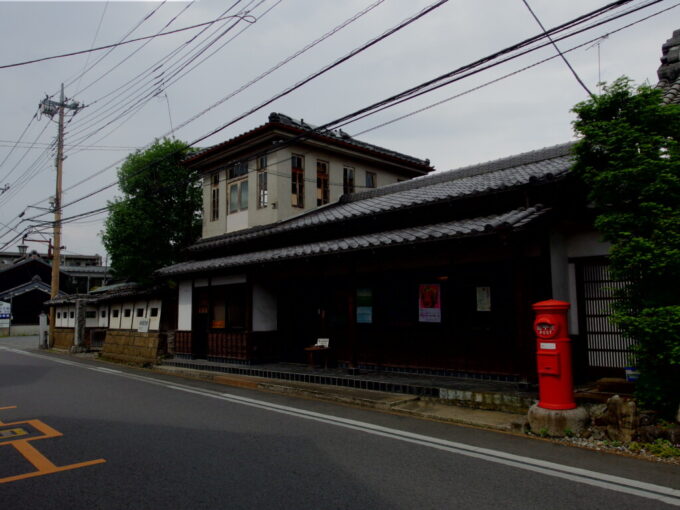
(286, 167)
(25, 282)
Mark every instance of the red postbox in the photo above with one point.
(553, 355)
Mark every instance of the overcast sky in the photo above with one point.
(523, 112)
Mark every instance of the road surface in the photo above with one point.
(83, 434)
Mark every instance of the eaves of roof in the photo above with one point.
(278, 121)
(487, 225)
(26, 287)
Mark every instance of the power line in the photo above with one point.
(115, 45)
(280, 64)
(573, 71)
(405, 95)
(508, 75)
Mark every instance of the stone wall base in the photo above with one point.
(131, 346)
(63, 339)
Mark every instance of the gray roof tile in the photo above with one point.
(405, 236)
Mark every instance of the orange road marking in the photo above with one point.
(43, 465)
(8, 407)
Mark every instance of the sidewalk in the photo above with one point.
(482, 403)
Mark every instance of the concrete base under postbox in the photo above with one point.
(557, 423)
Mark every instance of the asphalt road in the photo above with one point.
(157, 442)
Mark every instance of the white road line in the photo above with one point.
(624, 485)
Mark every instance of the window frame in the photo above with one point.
(323, 192)
(348, 180)
(297, 181)
(261, 176)
(215, 196)
(371, 180)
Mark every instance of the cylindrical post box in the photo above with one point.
(553, 355)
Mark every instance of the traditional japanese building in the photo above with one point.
(434, 274)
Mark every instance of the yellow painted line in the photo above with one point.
(42, 464)
(7, 407)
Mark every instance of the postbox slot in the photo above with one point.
(548, 363)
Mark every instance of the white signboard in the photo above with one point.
(5, 314)
(143, 326)
(483, 299)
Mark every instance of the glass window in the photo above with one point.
(103, 314)
(243, 194)
(154, 312)
(215, 198)
(127, 312)
(115, 313)
(233, 198)
(90, 314)
(262, 193)
(347, 180)
(237, 169)
(297, 181)
(371, 180)
(140, 312)
(322, 186)
(72, 315)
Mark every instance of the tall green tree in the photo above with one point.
(158, 214)
(628, 156)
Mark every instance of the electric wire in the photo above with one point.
(272, 69)
(573, 71)
(345, 118)
(508, 75)
(114, 45)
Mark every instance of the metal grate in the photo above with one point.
(607, 346)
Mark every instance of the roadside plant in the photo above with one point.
(628, 157)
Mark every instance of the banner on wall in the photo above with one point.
(429, 303)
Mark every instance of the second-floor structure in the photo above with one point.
(285, 167)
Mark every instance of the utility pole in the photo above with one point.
(51, 108)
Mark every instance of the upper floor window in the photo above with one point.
(238, 169)
(322, 187)
(262, 191)
(371, 180)
(297, 180)
(238, 196)
(348, 180)
(215, 197)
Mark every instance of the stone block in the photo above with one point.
(557, 422)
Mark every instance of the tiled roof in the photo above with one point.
(300, 127)
(669, 71)
(484, 178)
(437, 231)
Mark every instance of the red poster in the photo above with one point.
(429, 303)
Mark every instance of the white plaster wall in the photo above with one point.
(154, 322)
(71, 321)
(103, 321)
(264, 309)
(126, 322)
(184, 305)
(61, 321)
(94, 321)
(139, 305)
(114, 322)
(238, 220)
(586, 244)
